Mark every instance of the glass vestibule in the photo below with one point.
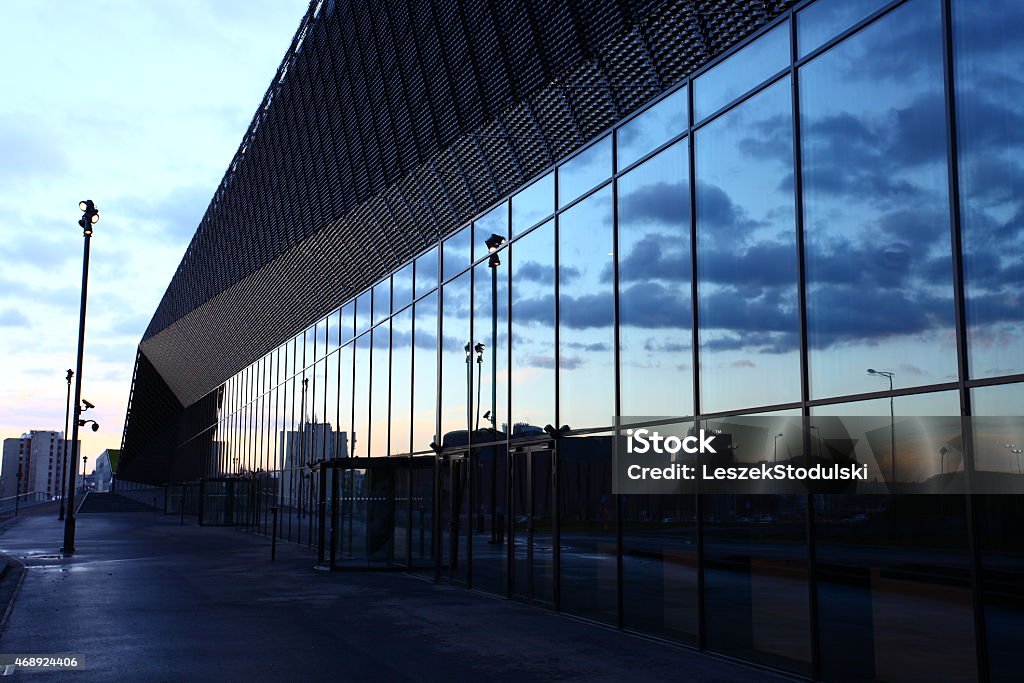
(376, 513)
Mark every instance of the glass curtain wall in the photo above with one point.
(837, 194)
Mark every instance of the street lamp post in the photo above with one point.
(85, 462)
(64, 459)
(775, 456)
(892, 420)
(90, 217)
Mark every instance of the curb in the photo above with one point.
(13, 571)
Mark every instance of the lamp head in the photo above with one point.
(872, 371)
(494, 242)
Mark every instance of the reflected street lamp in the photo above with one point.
(90, 217)
(775, 456)
(494, 243)
(892, 419)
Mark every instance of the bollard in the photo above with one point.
(273, 534)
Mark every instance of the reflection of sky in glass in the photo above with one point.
(456, 252)
(990, 111)
(876, 214)
(533, 203)
(345, 359)
(746, 251)
(321, 338)
(401, 381)
(822, 20)
(754, 63)
(455, 336)
(379, 392)
(533, 328)
(654, 287)
(381, 300)
(486, 312)
(401, 287)
(348, 322)
(424, 372)
(494, 222)
(587, 313)
(363, 303)
(648, 130)
(361, 398)
(586, 170)
(426, 272)
(333, 325)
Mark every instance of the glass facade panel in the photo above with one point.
(533, 204)
(490, 328)
(364, 303)
(424, 401)
(876, 213)
(457, 253)
(821, 21)
(380, 391)
(747, 256)
(586, 310)
(333, 447)
(752, 64)
(381, 300)
(659, 566)
(426, 272)
(533, 332)
(587, 518)
(361, 398)
(655, 312)
(456, 360)
(651, 129)
(401, 287)
(321, 344)
(346, 359)
(494, 222)
(333, 334)
(999, 521)
(401, 382)
(348, 321)
(990, 98)
(585, 171)
(888, 563)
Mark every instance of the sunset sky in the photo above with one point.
(140, 107)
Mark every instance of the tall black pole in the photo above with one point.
(69, 517)
(64, 462)
(892, 433)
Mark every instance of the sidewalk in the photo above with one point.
(146, 599)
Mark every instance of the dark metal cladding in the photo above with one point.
(388, 124)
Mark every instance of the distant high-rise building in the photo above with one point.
(32, 463)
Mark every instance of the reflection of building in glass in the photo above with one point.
(706, 210)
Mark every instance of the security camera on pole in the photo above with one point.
(90, 217)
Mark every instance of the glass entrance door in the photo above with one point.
(531, 538)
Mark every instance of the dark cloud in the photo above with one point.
(531, 271)
(658, 203)
(657, 256)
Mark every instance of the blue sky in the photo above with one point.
(138, 105)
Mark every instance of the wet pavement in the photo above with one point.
(146, 599)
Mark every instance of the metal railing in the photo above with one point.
(23, 500)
